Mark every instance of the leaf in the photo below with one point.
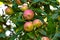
(42, 32)
(1, 19)
(57, 34)
(31, 35)
(38, 38)
(19, 29)
(51, 26)
(35, 1)
(17, 18)
(54, 16)
(2, 35)
(25, 37)
(24, 1)
(12, 37)
(44, 13)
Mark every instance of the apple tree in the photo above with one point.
(29, 19)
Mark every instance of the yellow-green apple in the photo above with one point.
(28, 26)
(37, 23)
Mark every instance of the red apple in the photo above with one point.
(28, 26)
(28, 14)
(37, 23)
(44, 38)
(18, 2)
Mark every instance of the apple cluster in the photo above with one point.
(30, 25)
(27, 15)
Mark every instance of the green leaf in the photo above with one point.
(35, 1)
(42, 32)
(1, 26)
(54, 16)
(51, 26)
(31, 35)
(57, 34)
(44, 13)
(12, 37)
(1, 19)
(24, 1)
(38, 38)
(2, 35)
(17, 17)
(25, 37)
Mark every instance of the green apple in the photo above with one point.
(9, 11)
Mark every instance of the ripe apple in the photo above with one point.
(18, 2)
(44, 38)
(28, 14)
(24, 7)
(9, 11)
(28, 26)
(37, 23)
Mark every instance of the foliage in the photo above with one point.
(50, 28)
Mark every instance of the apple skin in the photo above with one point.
(28, 14)
(24, 7)
(37, 23)
(9, 11)
(28, 26)
(18, 2)
(45, 38)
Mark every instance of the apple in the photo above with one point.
(37, 23)
(28, 26)
(44, 38)
(28, 14)
(1, 30)
(9, 11)
(24, 7)
(18, 2)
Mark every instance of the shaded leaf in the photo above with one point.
(31, 35)
(2, 35)
(42, 32)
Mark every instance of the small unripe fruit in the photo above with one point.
(24, 7)
(37, 23)
(18, 2)
(9, 11)
(44, 38)
(1, 30)
(28, 14)
(28, 26)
